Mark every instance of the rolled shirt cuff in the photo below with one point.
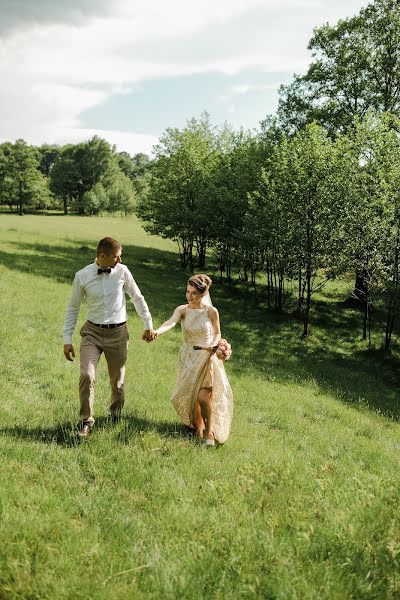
(67, 339)
(148, 324)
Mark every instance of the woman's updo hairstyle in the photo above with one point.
(201, 282)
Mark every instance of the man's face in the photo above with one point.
(109, 260)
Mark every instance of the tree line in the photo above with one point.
(315, 193)
(86, 178)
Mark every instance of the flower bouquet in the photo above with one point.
(224, 350)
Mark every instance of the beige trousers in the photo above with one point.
(114, 344)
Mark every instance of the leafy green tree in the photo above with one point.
(174, 205)
(142, 164)
(381, 27)
(373, 220)
(95, 200)
(356, 67)
(368, 232)
(237, 162)
(267, 225)
(48, 154)
(309, 187)
(65, 176)
(137, 168)
(77, 169)
(390, 169)
(121, 194)
(21, 183)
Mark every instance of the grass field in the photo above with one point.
(302, 502)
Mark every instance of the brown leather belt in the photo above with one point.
(211, 349)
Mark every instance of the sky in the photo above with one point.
(125, 70)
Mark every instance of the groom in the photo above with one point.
(103, 284)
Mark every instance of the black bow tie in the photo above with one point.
(100, 271)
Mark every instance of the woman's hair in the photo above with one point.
(201, 282)
(108, 246)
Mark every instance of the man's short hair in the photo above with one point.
(108, 246)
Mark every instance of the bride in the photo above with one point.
(202, 396)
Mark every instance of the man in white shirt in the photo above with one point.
(103, 284)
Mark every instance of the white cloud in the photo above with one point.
(55, 69)
(128, 142)
(245, 88)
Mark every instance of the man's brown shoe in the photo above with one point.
(85, 431)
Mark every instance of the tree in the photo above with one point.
(356, 67)
(121, 194)
(237, 162)
(175, 203)
(48, 155)
(77, 169)
(95, 200)
(138, 169)
(372, 213)
(21, 183)
(306, 188)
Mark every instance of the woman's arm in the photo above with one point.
(213, 315)
(171, 322)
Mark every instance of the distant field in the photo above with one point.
(302, 502)
(72, 228)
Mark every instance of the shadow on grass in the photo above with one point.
(334, 356)
(130, 426)
(264, 343)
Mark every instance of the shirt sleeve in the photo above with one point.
(71, 316)
(138, 300)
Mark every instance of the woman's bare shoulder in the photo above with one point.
(181, 309)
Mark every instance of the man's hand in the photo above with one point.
(148, 335)
(69, 351)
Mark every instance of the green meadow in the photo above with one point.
(302, 502)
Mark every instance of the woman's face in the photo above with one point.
(193, 296)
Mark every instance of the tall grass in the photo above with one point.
(300, 503)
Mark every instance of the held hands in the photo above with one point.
(69, 351)
(149, 335)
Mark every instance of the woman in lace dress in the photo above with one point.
(202, 396)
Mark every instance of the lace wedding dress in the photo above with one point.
(200, 368)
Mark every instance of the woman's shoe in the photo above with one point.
(210, 441)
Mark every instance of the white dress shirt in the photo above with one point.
(105, 298)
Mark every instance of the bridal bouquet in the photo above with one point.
(224, 349)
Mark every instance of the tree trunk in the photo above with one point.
(280, 293)
(275, 287)
(300, 296)
(394, 298)
(228, 264)
(359, 285)
(186, 253)
(201, 252)
(245, 270)
(366, 315)
(269, 284)
(389, 329)
(21, 212)
(306, 314)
